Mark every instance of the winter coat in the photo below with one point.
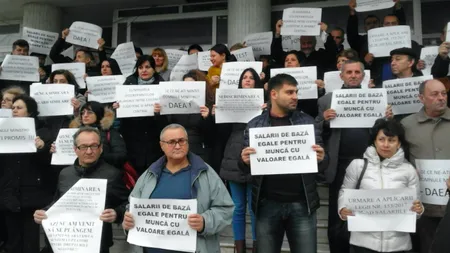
(229, 170)
(114, 148)
(133, 80)
(392, 173)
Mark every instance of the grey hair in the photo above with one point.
(351, 62)
(86, 129)
(172, 126)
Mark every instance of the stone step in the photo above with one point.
(227, 246)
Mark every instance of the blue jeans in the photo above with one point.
(274, 219)
(241, 193)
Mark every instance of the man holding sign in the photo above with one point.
(290, 201)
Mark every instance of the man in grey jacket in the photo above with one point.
(180, 174)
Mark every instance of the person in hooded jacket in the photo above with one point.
(24, 185)
(387, 168)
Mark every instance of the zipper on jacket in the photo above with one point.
(193, 182)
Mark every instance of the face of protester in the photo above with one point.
(159, 59)
(82, 57)
(7, 100)
(291, 61)
(189, 79)
(338, 37)
(434, 98)
(20, 51)
(352, 75)
(88, 148)
(60, 79)
(400, 64)
(193, 51)
(106, 69)
(88, 117)
(285, 98)
(307, 44)
(390, 21)
(217, 59)
(386, 146)
(19, 109)
(371, 23)
(340, 61)
(248, 81)
(174, 144)
(146, 71)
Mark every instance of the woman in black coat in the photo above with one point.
(24, 185)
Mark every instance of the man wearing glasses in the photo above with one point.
(88, 148)
(180, 174)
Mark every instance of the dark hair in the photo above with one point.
(138, 50)
(86, 52)
(96, 107)
(391, 128)
(258, 82)
(68, 75)
(337, 28)
(391, 15)
(276, 82)
(371, 16)
(301, 57)
(348, 53)
(141, 60)
(32, 106)
(222, 49)
(195, 46)
(198, 75)
(20, 43)
(115, 69)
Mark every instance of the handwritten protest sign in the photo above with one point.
(428, 55)
(20, 68)
(73, 224)
(17, 135)
(244, 54)
(306, 78)
(103, 88)
(5, 113)
(260, 43)
(358, 107)
(84, 34)
(204, 60)
(373, 5)
(40, 41)
(238, 105)
(231, 71)
(385, 39)
(182, 97)
(125, 57)
(64, 155)
(78, 69)
(433, 177)
(53, 99)
(136, 100)
(184, 65)
(162, 224)
(381, 209)
(333, 80)
(403, 94)
(174, 56)
(283, 150)
(301, 21)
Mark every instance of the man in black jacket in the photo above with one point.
(88, 147)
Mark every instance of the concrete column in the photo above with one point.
(247, 17)
(42, 16)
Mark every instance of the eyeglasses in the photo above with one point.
(92, 147)
(173, 143)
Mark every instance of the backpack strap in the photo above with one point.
(362, 173)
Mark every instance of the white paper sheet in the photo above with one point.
(77, 69)
(433, 177)
(64, 155)
(306, 78)
(260, 43)
(301, 21)
(17, 135)
(20, 68)
(103, 88)
(238, 105)
(244, 54)
(385, 39)
(184, 65)
(182, 97)
(40, 41)
(53, 99)
(231, 71)
(373, 5)
(136, 100)
(84, 34)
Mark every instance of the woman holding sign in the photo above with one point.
(219, 55)
(23, 183)
(387, 168)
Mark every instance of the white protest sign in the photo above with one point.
(403, 94)
(301, 21)
(260, 43)
(6, 113)
(182, 97)
(184, 65)
(64, 155)
(20, 68)
(357, 107)
(124, 51)
(381, 210)
(447, 38)
(127, 66)
(283, 150)
(385, 39)
(162, 224)
(428, 55)
(4, 51)
(174, 56)
(238, 105)
(103, 88)
(290, 43)
(136, 100)
(244, 54)
(17, 135)
(84, 34)
(333, 81)
(232, 71)
(40, 41)
(204, 60)
(306, 78)
(73, 224)
(53, 99)
(77, 69)
(433, 177)
(69, 52)
(373, 5)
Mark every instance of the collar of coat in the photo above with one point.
(82, 171)
(422, 117)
